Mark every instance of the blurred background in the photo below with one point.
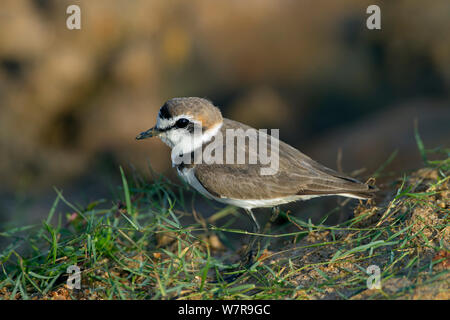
(72, 101)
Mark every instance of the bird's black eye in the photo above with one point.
(181, 123)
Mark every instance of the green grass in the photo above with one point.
(138, 248)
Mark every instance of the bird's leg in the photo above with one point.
(256, 229)
(247, 260)
(273, 217)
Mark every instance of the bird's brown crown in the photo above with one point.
(198, 108)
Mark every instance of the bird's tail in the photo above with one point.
(363, 195)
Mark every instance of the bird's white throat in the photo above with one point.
(184, 142)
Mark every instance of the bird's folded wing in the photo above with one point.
(297, 174)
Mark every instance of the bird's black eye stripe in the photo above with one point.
(164, 112)
(182, 123)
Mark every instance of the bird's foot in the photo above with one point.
(239, 271)
(248, 260)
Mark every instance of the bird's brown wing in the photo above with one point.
(297, 175)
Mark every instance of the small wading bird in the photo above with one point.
(297, 177)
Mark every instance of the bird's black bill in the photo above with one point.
(153, 132)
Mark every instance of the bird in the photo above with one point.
(190, 124)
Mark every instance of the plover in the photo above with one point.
(297, 177)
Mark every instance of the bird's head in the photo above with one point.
(185, 123)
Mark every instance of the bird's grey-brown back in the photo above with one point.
(297, 175)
